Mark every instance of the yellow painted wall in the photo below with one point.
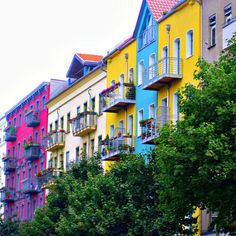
(186, 17)
(116, 65)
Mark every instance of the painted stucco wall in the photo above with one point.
(23, 133)
(67, 102)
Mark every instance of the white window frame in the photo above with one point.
(140, 72)
(151, 68)
(189, 43)
(141, 111)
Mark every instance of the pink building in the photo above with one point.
(25, 153)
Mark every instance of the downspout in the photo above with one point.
(168, 86)
(126, 62)
(88, 118)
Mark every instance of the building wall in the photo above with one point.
(3, 125)
(67, 102)
(150, 96)
(23, 133)
(209, 8)
(185, 18)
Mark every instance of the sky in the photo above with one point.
(40, 37)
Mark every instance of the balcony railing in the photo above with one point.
(147, 37)
(30, 186)
(162, 73)
(10, 134)
(228, 31)
(150, 128)
(46, 176)
(84, 123)
(32, 152)
(55, 140)
(7, 194)
(113, 148)
(9, 164)
(32, 118)
(117, 97)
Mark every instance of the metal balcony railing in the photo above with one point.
(32, 118)
(8, 194)
(46, 176)
(30, 186)
(32, 152)
(10, 134)
(150, 128)
(9, 164)
(117, 97)
(113, 148)
(84, 123)
(55, 140)
(147, 37)
(163, 72)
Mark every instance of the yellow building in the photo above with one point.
(179, 48)
(118, 101)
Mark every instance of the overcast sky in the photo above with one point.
(39, 38)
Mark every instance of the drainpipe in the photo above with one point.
(126, 62)
(88, 117)
(168, 63)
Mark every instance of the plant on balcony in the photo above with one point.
(130, 94)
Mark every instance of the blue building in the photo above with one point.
(146, 34)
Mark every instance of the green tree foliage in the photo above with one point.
(196, 158)
(9, 227)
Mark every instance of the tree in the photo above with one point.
(196, 159)
(9, 227)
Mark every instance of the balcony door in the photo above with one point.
(121, 88)
(163, 112)
(177, 57)
(130, 129)
(165, 60)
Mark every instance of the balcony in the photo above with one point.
(55, 140)
(147, 37)
(113, 148)
(162, 73)
(84, 123)
(118, 97)
(32, 152)
(10, 134)
(45, 177)
(32, 118)
(9, 164)
(30, 186)
(7, 194)
(150, 127)
(228, 30)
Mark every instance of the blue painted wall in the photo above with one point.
(144, 97)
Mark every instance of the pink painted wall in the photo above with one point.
(24, 133)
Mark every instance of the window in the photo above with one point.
(100, 104)
(67, 160)
(212, 30)
(34, 206)
(130, 129)
(20, 120)
(131, 75)
(28, 210)
(112, 131)
(152, 111)
(165, 60)
(62, 122)
(50, 127)
(151, 68)
(37, 105)
(77, 157)
(14, 121)
(176, 108)
(78, 110)
(228, 13)
(18, 150)
(42, 133)
(22, 212)
(189, 46)
(120, 128)
(68, 122)
(99, 143)
(84, 149)
(92, 147)
(61, 161)
(44, 103)
(177, 56)
(93, 104)
(140, 72)
(36, 137)
(56, 125)
(85, 106)
(140, 117)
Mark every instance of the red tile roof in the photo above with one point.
(89, 57)
(157, 7)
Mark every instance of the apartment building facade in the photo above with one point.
(218, 25)
(75, 121)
